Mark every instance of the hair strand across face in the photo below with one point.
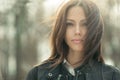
(92, 46)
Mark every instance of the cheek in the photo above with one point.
(84, 32)
(68, 34)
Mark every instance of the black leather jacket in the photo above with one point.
(97, 71)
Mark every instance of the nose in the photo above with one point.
(77, 30)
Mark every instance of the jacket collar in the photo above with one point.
(54, 71)
(57, 69)
(93, 71)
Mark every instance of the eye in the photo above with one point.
(84, 24)
(69, 24)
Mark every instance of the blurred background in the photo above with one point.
(24, 34)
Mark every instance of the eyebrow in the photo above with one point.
(70, 20)
(83, 20)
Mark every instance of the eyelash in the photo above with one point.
(84, 24)
(69, 24)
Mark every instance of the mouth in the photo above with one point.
(77, 41)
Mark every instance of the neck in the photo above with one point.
(75, 58)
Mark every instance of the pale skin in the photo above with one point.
(75, 35)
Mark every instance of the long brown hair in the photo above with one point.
(92, 47)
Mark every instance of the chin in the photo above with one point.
(77, 50)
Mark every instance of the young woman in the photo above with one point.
(76, 46)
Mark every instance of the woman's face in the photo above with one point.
(76, 29)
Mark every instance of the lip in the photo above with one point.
(77, 41)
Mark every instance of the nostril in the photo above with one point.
(77, 32)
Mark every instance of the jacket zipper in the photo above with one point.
(59, 77)
(66, 77)
(77, 75)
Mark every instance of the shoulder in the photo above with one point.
(32, 74)
(40, 69)
(111, 70)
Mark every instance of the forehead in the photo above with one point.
(76, 12)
